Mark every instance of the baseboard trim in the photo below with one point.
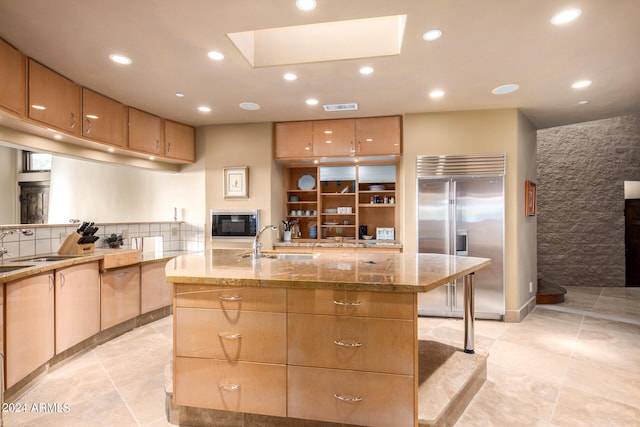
(517, 316)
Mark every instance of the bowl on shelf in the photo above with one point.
(376, 187)
(294, 199)
(330, 211)
(367, 237)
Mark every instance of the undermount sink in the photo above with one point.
(48, 258)
(8, 268)
(283, 255)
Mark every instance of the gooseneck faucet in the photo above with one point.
(4, 234)
(256, 242)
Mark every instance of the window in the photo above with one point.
(35, 162)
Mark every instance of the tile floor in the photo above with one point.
(572, 364)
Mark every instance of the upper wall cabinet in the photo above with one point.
(334, 138)
(179, 141)
(13, 76)
(378, 136)
(293, 140)
(103, 119)
(145, 132)
(53, 99)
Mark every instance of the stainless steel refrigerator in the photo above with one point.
(461, 212)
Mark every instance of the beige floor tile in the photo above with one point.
(617, 306)
(579, 300)
(611, 348)
(145, 398)
(593, 323)
(576, 408)
(626, 293)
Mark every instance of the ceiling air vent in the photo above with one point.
(341, 107)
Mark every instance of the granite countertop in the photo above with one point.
(351, 271)
(29, 268)
(344, 244)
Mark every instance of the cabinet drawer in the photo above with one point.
(245, 335)
(232, 299)
(362, 398)
(243, 387)
(342, 342)
(391, 305)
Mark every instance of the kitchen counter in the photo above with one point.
(369, 244)
(330, 336)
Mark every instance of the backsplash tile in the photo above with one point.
(47, 239)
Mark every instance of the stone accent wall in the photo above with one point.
(581, 174)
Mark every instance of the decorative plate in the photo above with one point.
(306, 182)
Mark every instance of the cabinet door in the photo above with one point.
(119, 296)
(145, 132)
(334, 137)
(103, 119)
(13, 76)
(155, 291)
(29, 325)
(293, 140)
(77, 312)
(179, 141)
(53, 99)
(378, 136)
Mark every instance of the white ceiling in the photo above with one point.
(486, 43)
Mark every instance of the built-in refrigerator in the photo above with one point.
(461, 212)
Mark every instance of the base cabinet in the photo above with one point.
(155, 291)
(77, 296)
(29, 306)
(119, 296)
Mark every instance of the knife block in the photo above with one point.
(70, 246)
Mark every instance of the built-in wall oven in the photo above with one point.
(228, 224)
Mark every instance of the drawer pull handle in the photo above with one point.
(352, 344)
(348, 399)
(347, 303)
(231, 298)
(230, 335)
(228, 385)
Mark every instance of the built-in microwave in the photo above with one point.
(227, 224)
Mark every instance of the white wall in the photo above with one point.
(105, 192)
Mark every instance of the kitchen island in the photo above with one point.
(329, 337)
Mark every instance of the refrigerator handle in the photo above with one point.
(454, 294)
(448, 303)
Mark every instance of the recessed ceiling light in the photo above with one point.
(290, 76)
(565, 16)
(111, 150)
(151, 158)
(366, 70)
(436, 93)
(583, 102)
(312, 101)
(250, 106)
(204, 109)
(505, 89)
(57, 136)
(306, 5)
(120, 59)
(432, 35)
(180, 94)
(581, 84)
(215, 55)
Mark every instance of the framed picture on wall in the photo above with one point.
(530, 199)
(236, 182)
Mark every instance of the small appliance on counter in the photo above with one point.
(82, 241)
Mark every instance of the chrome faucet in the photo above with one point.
(256, 242)
(4, 234)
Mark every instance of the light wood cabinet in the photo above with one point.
(179, 141)
(103, 119)
(29, 306)
(119, 296)
(155, 291)
(77, 304)
(351, 397)
(145, 132)
(378, 136)
(334, 138)
(13, 76)
(53, 99)
(232, 299)
(255, 388)
(293, 140)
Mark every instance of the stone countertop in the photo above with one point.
(349, 271)
(379, 244)
(30, 268)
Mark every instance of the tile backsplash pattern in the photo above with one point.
(47, 239)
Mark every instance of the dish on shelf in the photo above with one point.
(376, 187)
(367, 237)
(294, 199)
(306, 182)
(330, 223)
(330, 211)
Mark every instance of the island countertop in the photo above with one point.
(370, 271)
